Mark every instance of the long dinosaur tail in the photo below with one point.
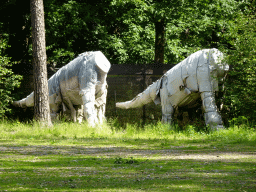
(147, 96)
(26, 102)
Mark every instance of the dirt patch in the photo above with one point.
(112, 151)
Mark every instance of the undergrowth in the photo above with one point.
(73, 131)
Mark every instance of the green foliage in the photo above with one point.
(189, 26)
(240, 94)
(73, 27)
(125, 30)
(8, 80)
(239, 121)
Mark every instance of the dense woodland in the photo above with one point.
(136, 32)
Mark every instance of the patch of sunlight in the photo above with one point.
(210, 157)
(217, 156)
(207, 175)
(183, 187)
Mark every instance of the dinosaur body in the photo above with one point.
(196, 76)
(80, 86)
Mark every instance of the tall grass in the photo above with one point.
(17, 130)
(73, 131)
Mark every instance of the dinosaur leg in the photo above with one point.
(79, 113)
(54, 112)
(211, 115)
(167, 108)
(100, 103)
(54, 103)
(54, 115)
(71, 107)
(101, 113)
(88, 97)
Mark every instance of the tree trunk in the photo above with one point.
(159, 45)
(41, 96)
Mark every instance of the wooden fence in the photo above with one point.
(125, 82)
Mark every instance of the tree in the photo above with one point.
(169, 30)
(159, 41)
(41, 94)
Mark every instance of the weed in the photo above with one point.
(239, 121)
(120, 160)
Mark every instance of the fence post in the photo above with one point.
(143, 88)
(115, 103)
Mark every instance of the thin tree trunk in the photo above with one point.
(41, 96)
(159, 45)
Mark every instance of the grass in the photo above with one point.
(73, 157)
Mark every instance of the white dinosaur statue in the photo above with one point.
(198, 75)
(79, 87)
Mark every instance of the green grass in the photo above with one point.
(73, 157)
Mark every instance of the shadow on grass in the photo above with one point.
(91, 167)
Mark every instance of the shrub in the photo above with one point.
(8, 80)
(240, 86)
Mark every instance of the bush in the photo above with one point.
(240, 87)
(8, 80)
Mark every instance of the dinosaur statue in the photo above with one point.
(79, 87)
(198, 75)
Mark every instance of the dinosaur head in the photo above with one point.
(101, 61)
(216, 59)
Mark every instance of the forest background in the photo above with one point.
(135, 32)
